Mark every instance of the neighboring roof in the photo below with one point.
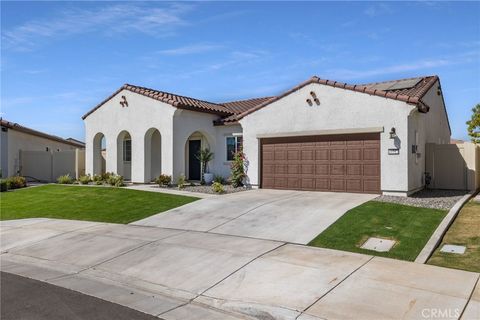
(16, 126)
(410, 94)
(456, 141)
(175, 100)
(76, 141)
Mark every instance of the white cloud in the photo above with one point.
(405, 67)
(190, 49)
(111, 19)
(378, 9)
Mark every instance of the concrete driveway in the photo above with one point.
(289, 216)
(177, 274)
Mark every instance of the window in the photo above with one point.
(234, 144)
(127, 150)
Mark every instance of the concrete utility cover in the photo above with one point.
(450, 248)
(378, 244)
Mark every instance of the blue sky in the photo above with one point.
(59, 59)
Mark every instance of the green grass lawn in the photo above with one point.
(105, 204)
(410, 226)
(464, 231)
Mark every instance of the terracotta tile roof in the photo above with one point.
(175, 100)
(240, 106)
(16, 126)
(411, 95)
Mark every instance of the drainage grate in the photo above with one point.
(378, 244)
(450, 248)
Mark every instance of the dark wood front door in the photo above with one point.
(193, 162)
(343, 163)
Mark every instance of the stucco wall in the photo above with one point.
(23, 141)
(338, 110)
(141, 115)
(430, 127)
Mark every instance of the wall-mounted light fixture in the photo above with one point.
(393, 133)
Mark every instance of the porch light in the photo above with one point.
(393, 134)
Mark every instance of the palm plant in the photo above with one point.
(204, 156)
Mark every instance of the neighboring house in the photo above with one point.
(321, 135)
(24, 150)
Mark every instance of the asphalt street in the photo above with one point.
(27, 299)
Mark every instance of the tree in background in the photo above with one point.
(474, 125)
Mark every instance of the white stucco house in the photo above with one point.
(320, 135)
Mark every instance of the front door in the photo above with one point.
(193, 162)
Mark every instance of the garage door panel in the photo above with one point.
(337, 184)
(354, 169)
(337, 170)
(354, 185)
(345, 163)
(322, 169)
(322, 184)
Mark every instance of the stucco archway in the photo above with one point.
(99, 153)
(195, 142)
(124, 155)
(153, 154)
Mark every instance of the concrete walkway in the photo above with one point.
(281, 215)
(178, 274)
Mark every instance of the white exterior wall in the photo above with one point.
(175, 126)
(141, 114)
(340, 110)
(17, 140)
(430, 127)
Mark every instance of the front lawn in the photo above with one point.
(410, 226)
(465, 231)
(105, 204)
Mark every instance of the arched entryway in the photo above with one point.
(124, 155)
(99, 153)
(195, 142)
(153, 154)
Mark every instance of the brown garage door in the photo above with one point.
(344, 163)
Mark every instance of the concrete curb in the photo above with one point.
(442, 228)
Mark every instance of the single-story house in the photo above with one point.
(35, 154)
(320, 135)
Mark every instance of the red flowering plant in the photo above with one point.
(238, 169)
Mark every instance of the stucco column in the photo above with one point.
(111, 150)
(89, 155)
(138, 159)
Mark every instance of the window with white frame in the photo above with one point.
(127, 150)
(234, 144)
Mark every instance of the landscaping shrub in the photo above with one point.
(115, 180)
(97, 179)
(65, 179)
(238, 169)
(85, 179)
(3, 185)
(181, 182)
(163, 180)
(218, 187)
(107, 175)
(16, 182)
(219, 179)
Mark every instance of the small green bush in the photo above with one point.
(115, 180)
(238, 169)
(85, 179)
(163, 180)
(65, 179)
(97, 179)
(218, 187)
(3, 185)
(16, 182)
(181, 182)
(107, 175)
(219, 179)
